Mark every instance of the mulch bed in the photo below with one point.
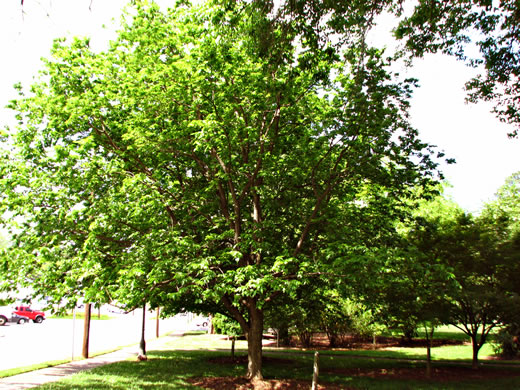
(439, 374)
(242, 359)
(320, 341)
(241, 383)
(442, 374)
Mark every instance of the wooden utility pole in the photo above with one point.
(157, 323)
(142, 344)
(86, 331)
(316, 371)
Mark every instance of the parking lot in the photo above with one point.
(57, 339)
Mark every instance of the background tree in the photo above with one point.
(425, 283)
(468, 248)
(503, 215)
(202, 159)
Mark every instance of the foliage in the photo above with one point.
(412, 282)
(362, 320)
(323, 310)
(479, 271)
(3, 241)
(482, 33)
(313, 310)
(456, 28)
(451, 267)
(506, 341)
(502, 214)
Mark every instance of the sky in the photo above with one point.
(467, 132)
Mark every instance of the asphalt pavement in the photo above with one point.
(53, 374)
(61, 339)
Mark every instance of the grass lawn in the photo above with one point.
(171, 369)
(442, 332)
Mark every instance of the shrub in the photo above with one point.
(362, 320)
(226, 325)
(507, 342)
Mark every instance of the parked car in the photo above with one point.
(25, 311)
(18, 319)
(201, 322)
(5, 317)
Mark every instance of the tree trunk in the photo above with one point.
(211, 327)
(428, 361)
(429, 340)
(476, 348)
(254, 343)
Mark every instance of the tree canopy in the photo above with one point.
(483, 33)
(208, 160)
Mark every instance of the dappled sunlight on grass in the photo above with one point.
(204, 342)
(448, 352)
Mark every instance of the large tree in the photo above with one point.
(208, 160)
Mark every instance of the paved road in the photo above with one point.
(57, 339)
(52, 374)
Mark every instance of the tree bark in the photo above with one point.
(254, 343)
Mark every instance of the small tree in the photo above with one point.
(466, 250)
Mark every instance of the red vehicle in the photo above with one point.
(25, 311)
